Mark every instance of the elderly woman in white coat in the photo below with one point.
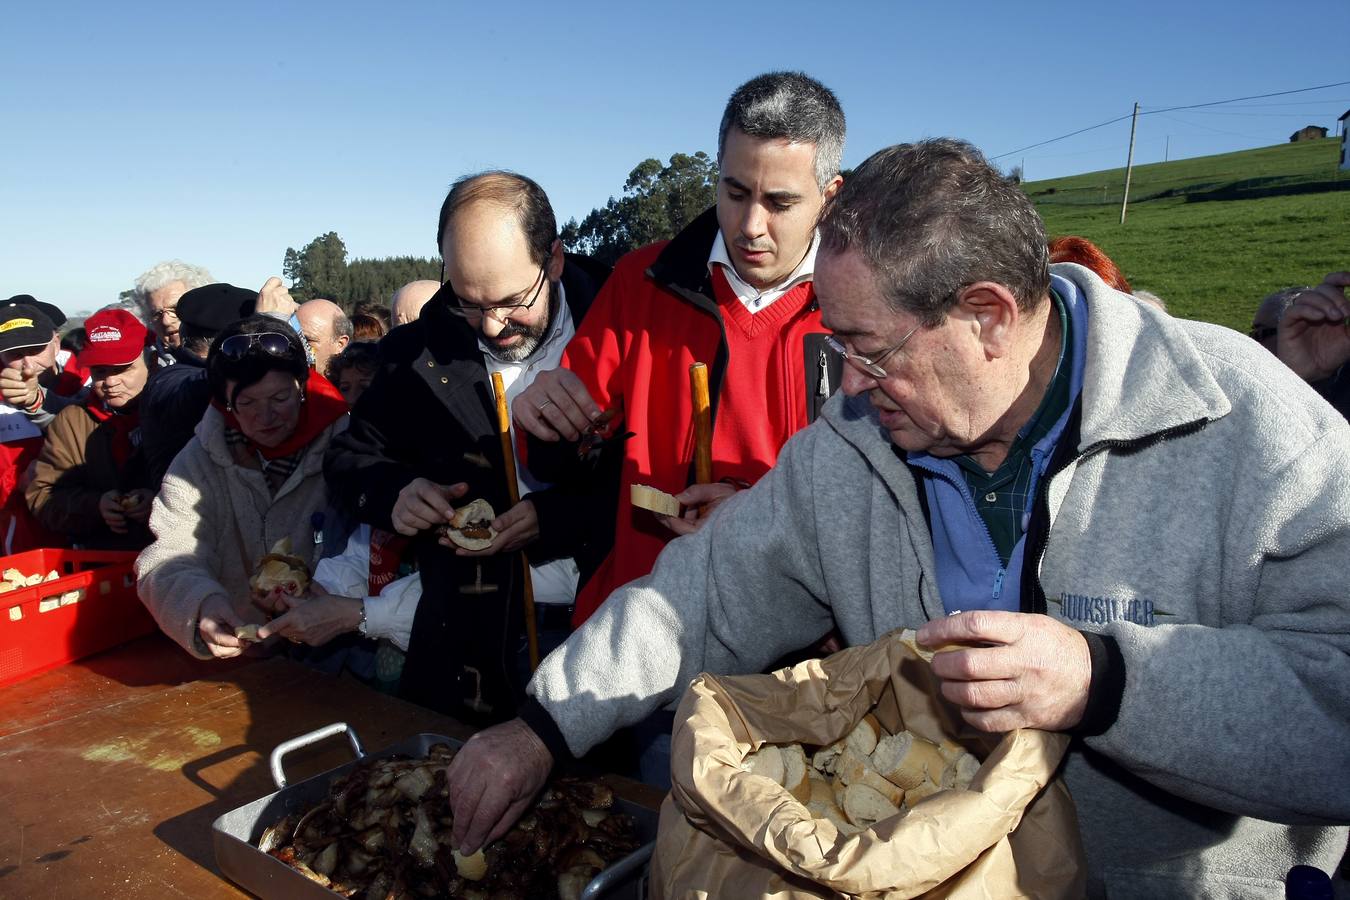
(251, 475)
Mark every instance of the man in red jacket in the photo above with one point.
(732, 290)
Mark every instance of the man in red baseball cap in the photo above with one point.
(90, 481)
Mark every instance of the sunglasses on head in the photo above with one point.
(273, 343)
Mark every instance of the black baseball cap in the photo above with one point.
(23, 326)
(54, 315)
(214, 306)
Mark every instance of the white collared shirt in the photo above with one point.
(556, 581)
(752, 298)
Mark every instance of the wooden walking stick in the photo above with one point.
(513, 489)
(698, 389)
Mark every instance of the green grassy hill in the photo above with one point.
(1215, 234)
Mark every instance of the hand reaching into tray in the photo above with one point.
(492, 780)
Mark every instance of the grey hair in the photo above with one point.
(932, 217)
(342, 326)
(164, 274)
(791, 106)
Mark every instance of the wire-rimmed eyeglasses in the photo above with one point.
(497, 310)
(869, 365)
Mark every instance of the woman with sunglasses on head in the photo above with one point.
(251, 475)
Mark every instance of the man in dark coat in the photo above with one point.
(423, 438)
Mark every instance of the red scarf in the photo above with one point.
(323, 406)
(121, 423)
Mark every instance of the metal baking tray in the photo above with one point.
(236, 833)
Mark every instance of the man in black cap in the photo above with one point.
(177, 396)
(28, 347)
(30, 379)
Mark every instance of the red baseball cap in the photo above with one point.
(114, 337)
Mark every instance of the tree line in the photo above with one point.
(657, 201)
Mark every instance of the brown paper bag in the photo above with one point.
(727, 833)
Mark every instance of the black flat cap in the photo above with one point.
(214, 306)
(53, 314)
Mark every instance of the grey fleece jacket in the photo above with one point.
(213, 520)
(1205, 525)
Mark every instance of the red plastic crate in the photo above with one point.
(107, 613)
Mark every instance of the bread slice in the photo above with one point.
(906, 760)
(959, 772)
(864, 736)
(767, 761)
(855, 769)
(658, 501)
(910, 637)
(865, 807)
(951, 749)
(922, 792)
(474, 867)
(828, 810)
(825, 759)
(795, 768)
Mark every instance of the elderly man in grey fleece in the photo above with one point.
(1144, 522)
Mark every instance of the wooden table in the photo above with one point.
(112, 769)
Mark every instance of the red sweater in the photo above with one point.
(634, 348)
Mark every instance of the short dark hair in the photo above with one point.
(356, 355)
(74, 340)
(374, 308)
(792, 106)
(257, 363)
(511, 190)
(194, 339)
(930, 218)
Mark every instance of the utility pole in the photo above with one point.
(1167, 147)
(1129, 164)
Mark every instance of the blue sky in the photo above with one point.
(224, 133)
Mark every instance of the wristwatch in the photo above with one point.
(361, 625)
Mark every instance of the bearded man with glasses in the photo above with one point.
(423, 437)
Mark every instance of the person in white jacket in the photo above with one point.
(251, 475)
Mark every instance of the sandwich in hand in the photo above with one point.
(280, 569)
(471, 527)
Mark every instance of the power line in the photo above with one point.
(1252, 97)
(1063, 136)
(1165, 110)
